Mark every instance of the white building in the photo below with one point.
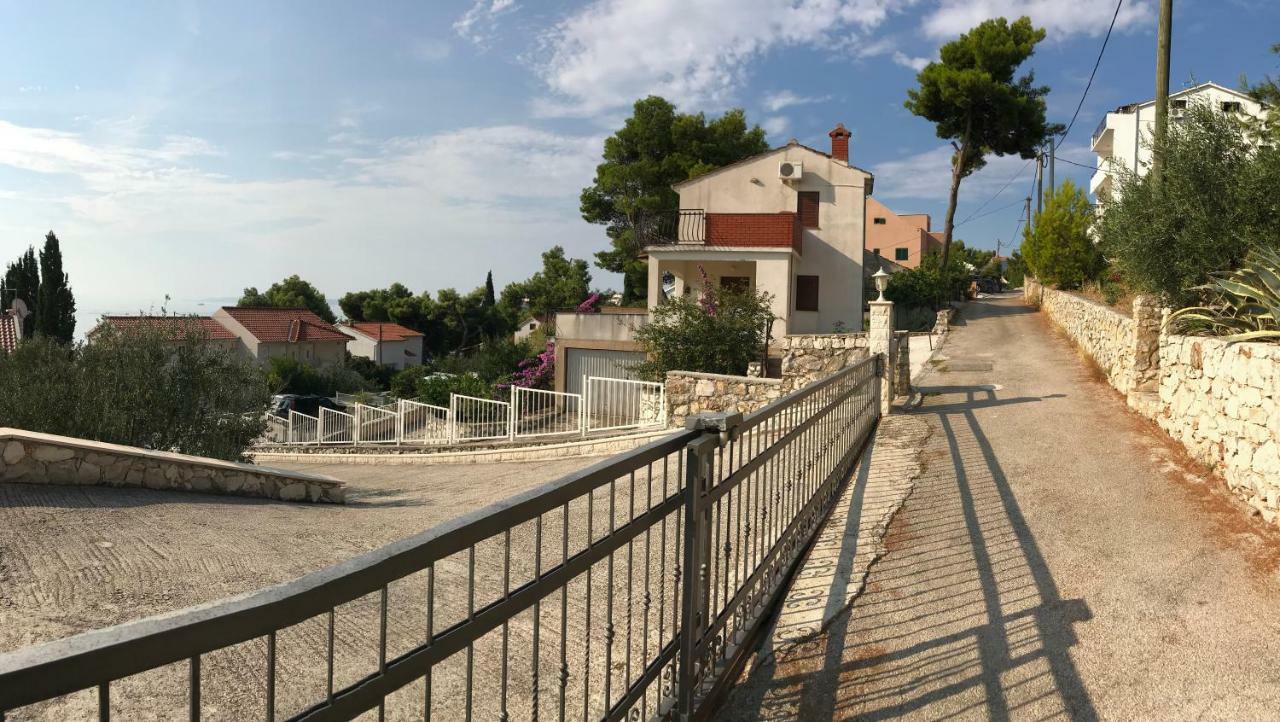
(1122, 140)
(388, 344)
(526, 329)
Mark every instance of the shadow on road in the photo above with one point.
(962, 617)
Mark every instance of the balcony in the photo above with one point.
(695, 227)
(1103, 136)
(611, 324)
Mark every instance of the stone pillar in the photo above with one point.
(943, 323)
(902, 363)
(880, 340)
(1147, 321)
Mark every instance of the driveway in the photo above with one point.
(1056, 559)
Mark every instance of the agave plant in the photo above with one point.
(1244, 304)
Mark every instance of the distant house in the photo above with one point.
(526, 328)
(11, 325)
(214, 334)
(389, 344)
(266, 332)
(903, 238)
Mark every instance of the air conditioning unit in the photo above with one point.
(790, 170)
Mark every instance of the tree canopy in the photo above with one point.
(292, 292)
(656, 147)
(974, 100)
(44, 287)
(562, 283)
(22, 281)
(1058, 248)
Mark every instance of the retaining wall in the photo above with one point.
(690, 393)
(33, 458)
(1219, 400)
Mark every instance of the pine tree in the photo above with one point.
(55, 307)
(489, 298)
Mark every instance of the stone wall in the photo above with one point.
(1217, 399)
(32, 458)
(690, 393)
(810, 357)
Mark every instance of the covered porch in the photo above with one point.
(679, 271)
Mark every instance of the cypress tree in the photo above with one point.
(55, 309)
(22, 280)
(489, 297)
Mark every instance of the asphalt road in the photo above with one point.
(1057, 559)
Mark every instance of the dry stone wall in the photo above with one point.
(1219, 400)
(690, 393)
(32, 458)
(811, 357)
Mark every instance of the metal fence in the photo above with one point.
(545, 413)
(608, 405)
(613, 404)
(628, 590)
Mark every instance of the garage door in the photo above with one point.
(581, 362)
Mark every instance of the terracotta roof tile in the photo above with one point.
(288, 325)
(214, 330)
(388, 331)
(8, 331)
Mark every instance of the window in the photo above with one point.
(878, 221)
(806, 293)
(1179, 105)
(876, 251)
(808, 208)
(533, 325)
(900, 254)
(1231, 106)
(735, 284)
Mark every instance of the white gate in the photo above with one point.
(623, 404)
(535, 412)
(277, 430)
(336, 427)
(598, 363)
(303, 429)
(476, 419)
(375, 425)
(423, 423)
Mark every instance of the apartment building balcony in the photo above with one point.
(697, 228)
(1103, 139)
(1100, 182)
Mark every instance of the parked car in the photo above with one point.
(282, 404)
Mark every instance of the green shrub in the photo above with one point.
(1244, 305)
(928, 286)
(291, 376)
(436, 388)
(719, 333)
(148, 388)
(1218, 193)
(1058, 248)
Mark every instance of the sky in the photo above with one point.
(190, 149)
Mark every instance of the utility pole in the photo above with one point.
(1053, 151)
(1029, 228)
(1163, 41)
(1039, 186)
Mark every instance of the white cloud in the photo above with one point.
(431, 211)
(1059, 17)
(906, 61)
(479, 22)
(927, 175)
(776, 125)
(773, 102)
(611, 52)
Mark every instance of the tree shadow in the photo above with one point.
(961, 617)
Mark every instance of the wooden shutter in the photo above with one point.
(806, 293)
(808, 208)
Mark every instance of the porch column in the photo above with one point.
(880, 340)
(773, 276)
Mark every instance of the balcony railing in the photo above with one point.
(1097, 132)
(697, 227)
(663, 228)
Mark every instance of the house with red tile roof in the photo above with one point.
(389, 344)
(266, 332)
(10, 330)
(214, 334)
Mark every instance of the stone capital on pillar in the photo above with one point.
(880, 341)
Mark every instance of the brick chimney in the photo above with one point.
(840, 142)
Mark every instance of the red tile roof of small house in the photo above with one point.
(213, 330)
(384, 331)
(284, 325)
(9, 332)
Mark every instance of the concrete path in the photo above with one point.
(1056, 559)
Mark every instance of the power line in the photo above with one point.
(1072, 162)
(989, 213)
(996, 195)
(1096, 63)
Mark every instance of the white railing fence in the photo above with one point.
(423, 423)
(336, 427)
(606, 404)
(477, 419)
(611, 404)
(376, 425)
(535, 412)
(303, 428)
